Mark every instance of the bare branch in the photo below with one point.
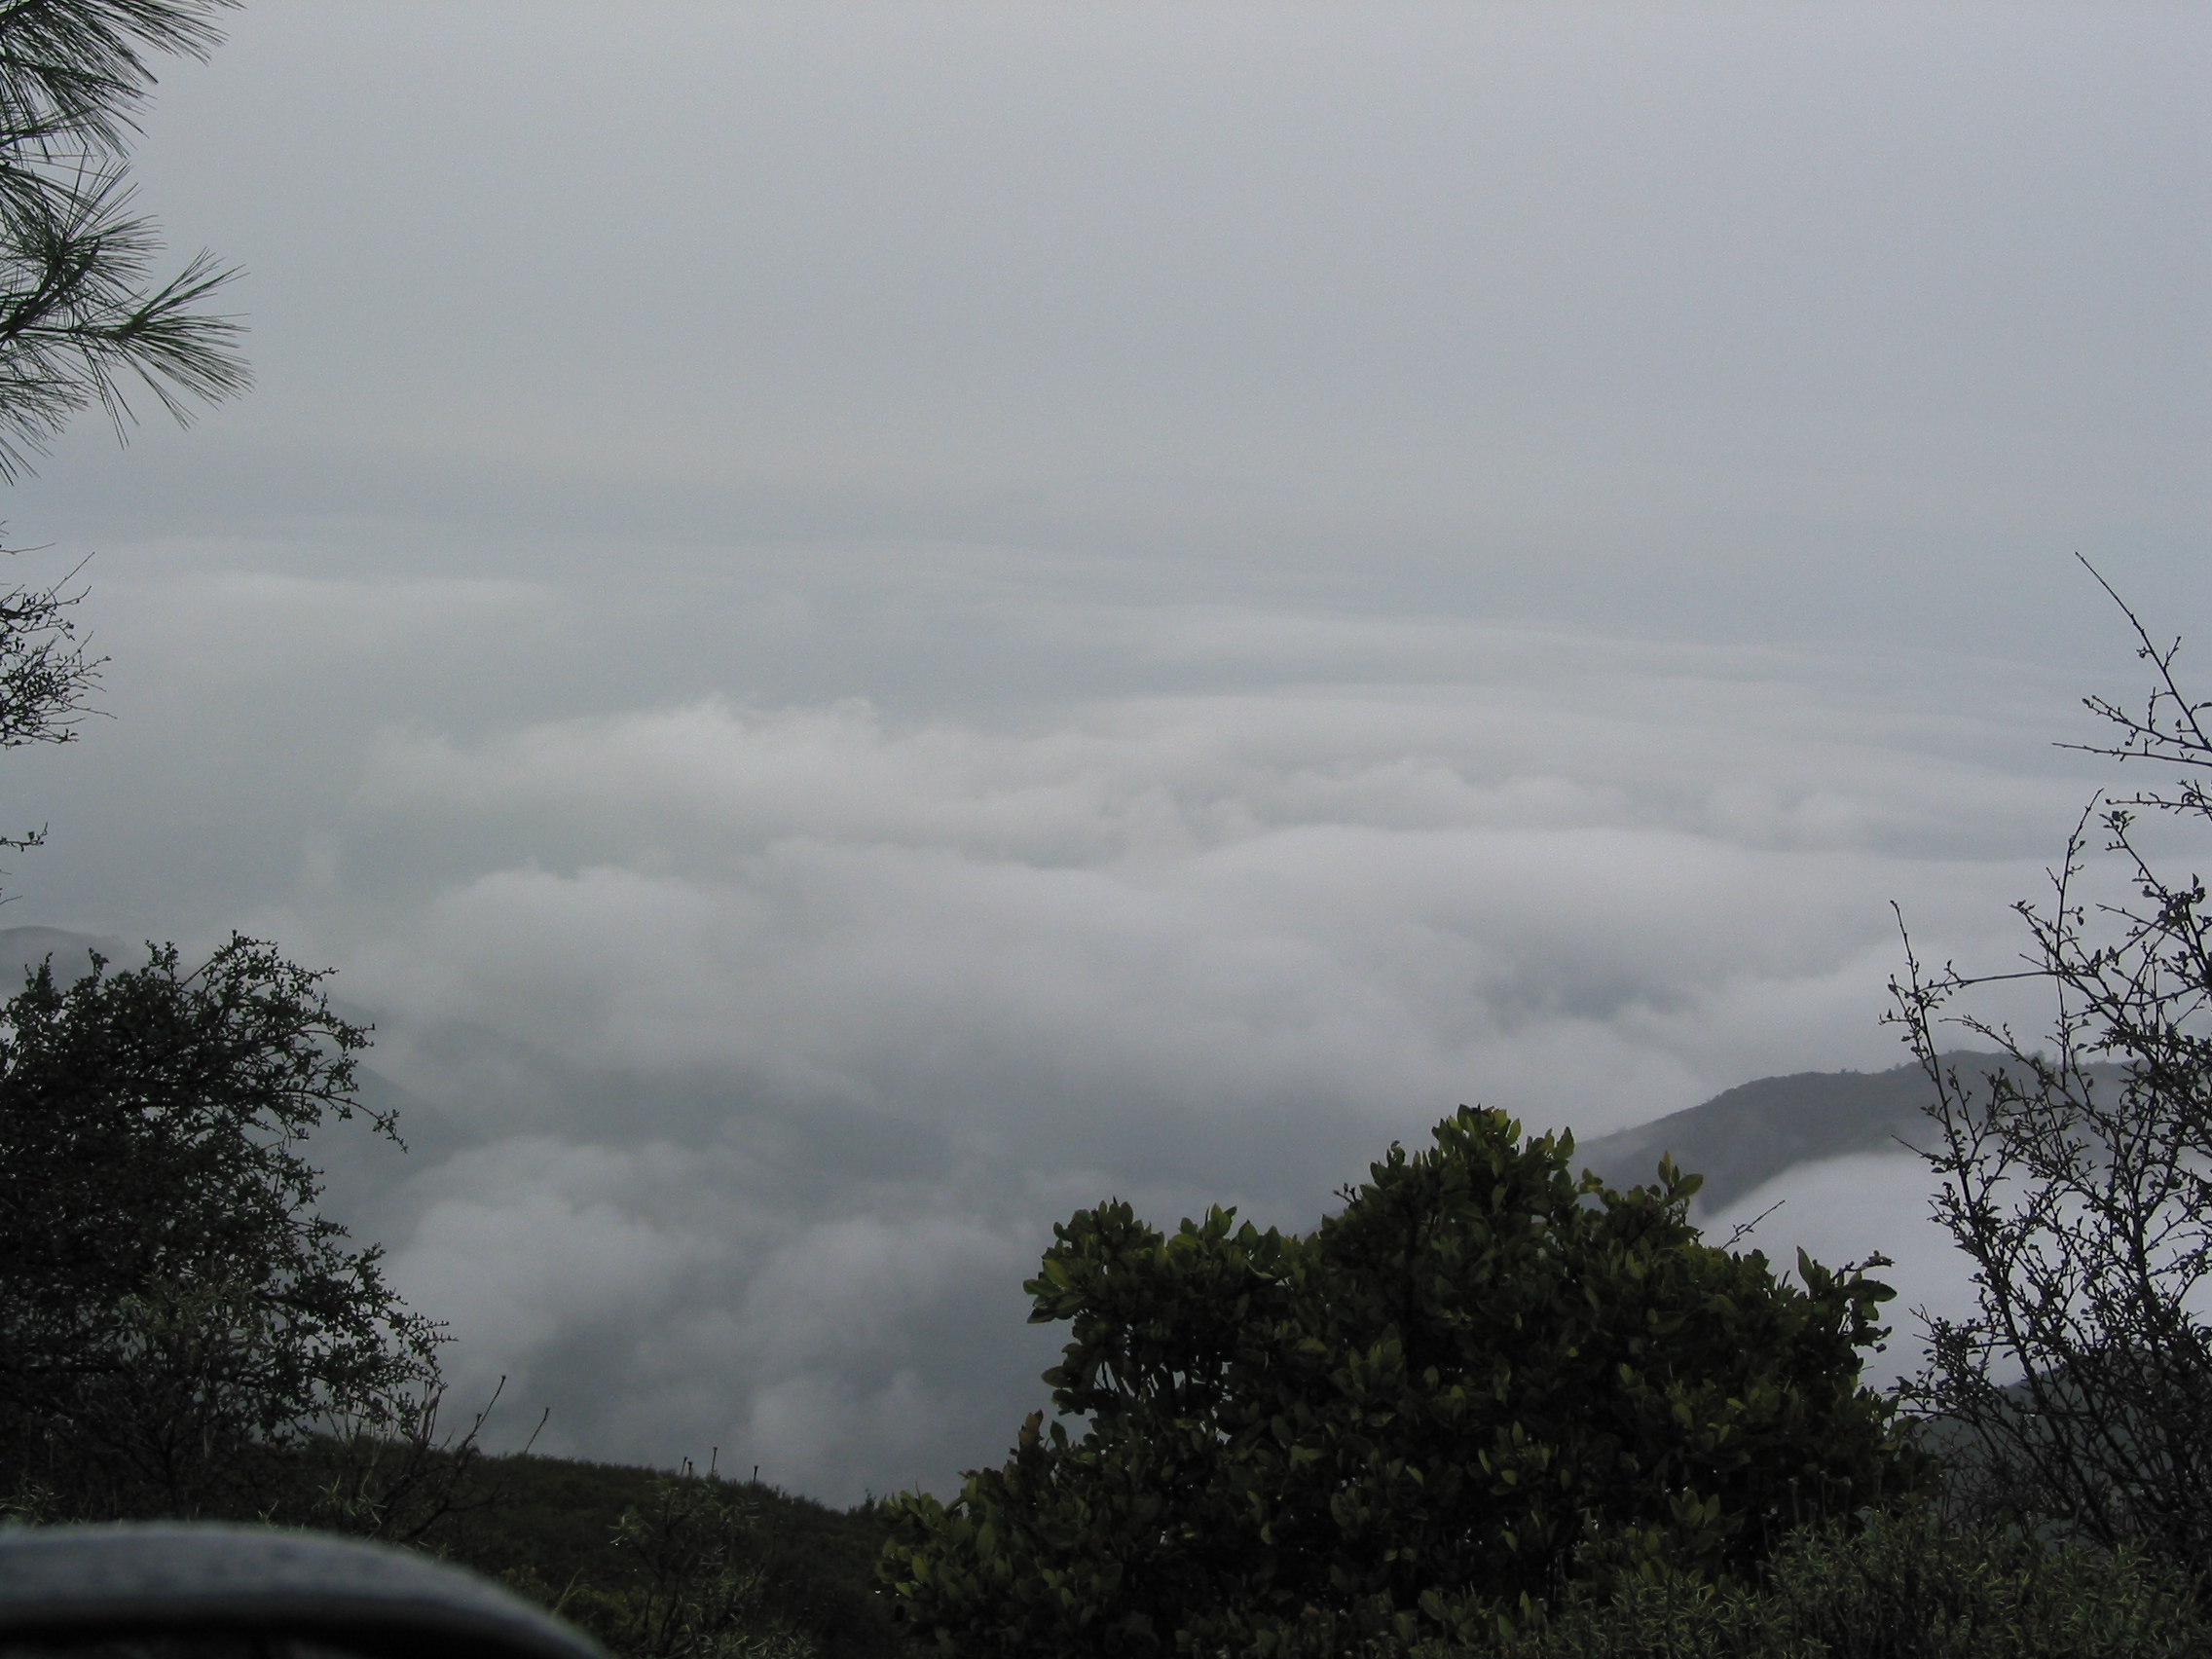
(2077, 1176)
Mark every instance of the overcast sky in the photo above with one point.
(862, 624)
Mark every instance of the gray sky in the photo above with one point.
(862, 624)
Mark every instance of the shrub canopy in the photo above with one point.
(176, 1317)
(1481, 1381)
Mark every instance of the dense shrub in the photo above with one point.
(1481, 1383)
(1902, 1588)
(180, 1328)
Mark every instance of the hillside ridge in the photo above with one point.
(1745, 1137)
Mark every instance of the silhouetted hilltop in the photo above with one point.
(22, 950)
(1743, 1138)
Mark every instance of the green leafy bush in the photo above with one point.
(697, 1589)
(1482, 1381)
(181, 1331)
(1903, 1587)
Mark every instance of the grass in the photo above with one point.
(653, 1563)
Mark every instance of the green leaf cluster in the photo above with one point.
(1482, 1381)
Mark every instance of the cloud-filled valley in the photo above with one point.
(875, 649)
(750, 1052)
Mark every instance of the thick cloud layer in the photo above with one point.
(828, 1021)
(753, 1050)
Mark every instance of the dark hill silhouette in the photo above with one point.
(1745, 1137)
(22, 950)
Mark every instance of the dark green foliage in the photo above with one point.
(696, 1584)
(1481, 1381)
(647, 1560)
(1902, 1588)
(177, 1324)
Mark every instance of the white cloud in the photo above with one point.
(1362, 884)
(760, 1044)
(798, 1028)
(522, 1240)
(668, 1301)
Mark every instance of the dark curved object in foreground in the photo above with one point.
(180, 1589)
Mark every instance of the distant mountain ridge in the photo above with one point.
(22, 950)
(1745, 1137)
